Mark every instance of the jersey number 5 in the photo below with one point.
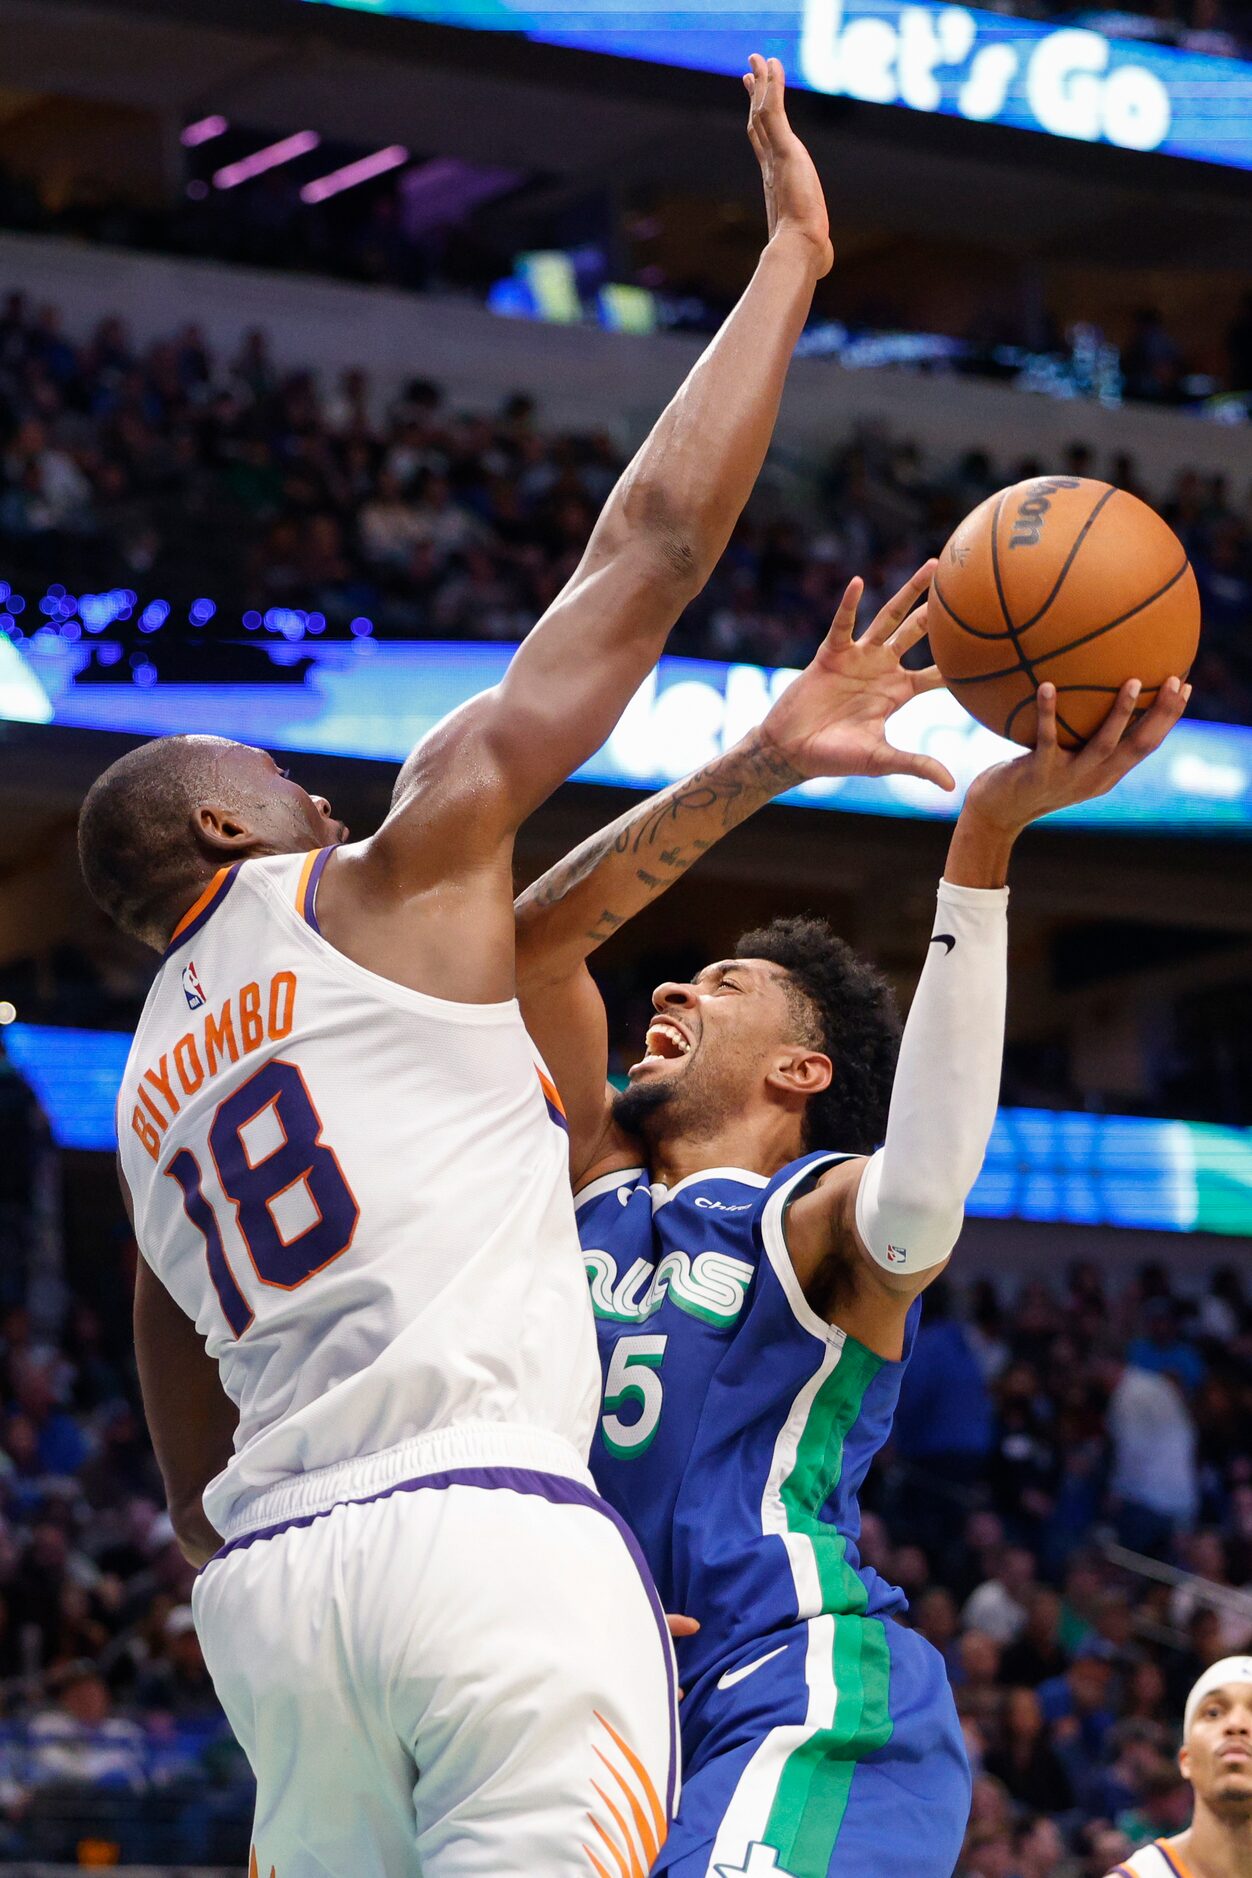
(633, 1377)
(272, 1164)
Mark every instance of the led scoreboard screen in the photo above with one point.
(989, 68)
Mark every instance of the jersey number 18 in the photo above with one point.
(255, 1181)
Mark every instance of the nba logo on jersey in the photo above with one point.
(897, 1255)
(193, 990)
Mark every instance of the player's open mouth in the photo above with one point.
(664, 1043)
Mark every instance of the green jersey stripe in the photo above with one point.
(813, 1787)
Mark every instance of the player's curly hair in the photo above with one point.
(845, 1009)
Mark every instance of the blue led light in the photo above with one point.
(252, 620)
(1065, 1167)
(925, 55)
(55, 590)
(108, 653)
(16, 602)
(361, 628)
(201, 612)
(154, 616)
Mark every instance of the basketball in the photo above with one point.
(1065, 579)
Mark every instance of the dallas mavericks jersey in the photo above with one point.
(360, 1194)
(737, 1425)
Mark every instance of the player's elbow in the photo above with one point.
(662, 528)
(193, 1535)
(907, 1225)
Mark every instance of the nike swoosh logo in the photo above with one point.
(733, 1676)
(945, 939)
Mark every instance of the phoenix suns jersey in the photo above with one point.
(737, 1425)
(360, 1195)
(1158, 1860)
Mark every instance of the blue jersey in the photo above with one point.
(737, 1425)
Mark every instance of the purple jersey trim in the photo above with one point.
(309, 909)
(552, 1487)
(1163, 1849)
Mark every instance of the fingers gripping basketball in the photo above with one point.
(1063, 579)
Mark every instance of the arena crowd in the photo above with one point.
(144, 468)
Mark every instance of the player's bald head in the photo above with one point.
(160, 821)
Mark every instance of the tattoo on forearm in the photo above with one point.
(725, 791)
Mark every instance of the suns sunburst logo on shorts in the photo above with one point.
(634, 1827)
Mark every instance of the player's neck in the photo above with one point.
(757, 1147)
(1213, 1847)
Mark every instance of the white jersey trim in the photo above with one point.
(662, 1195)
(443, 1450)
(606, 1183)
(774, 1238)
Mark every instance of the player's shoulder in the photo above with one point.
(1150, 1861)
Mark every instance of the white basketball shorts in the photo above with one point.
(468, 1676)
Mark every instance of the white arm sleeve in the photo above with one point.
(911, 1201)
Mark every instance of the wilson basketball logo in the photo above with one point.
(1028, 521)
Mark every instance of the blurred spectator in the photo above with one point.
(78, 1737)
(1154, 1478)
(1025, 1760)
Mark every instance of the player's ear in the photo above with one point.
(1184, 1762)
(221, 830)
(802, 1072)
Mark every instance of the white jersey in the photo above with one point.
(360, 1194)
(1158, 1860)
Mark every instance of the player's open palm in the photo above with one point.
(793, 191)
(1047, 778)
(832, 721)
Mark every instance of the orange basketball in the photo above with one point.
(1065, 579)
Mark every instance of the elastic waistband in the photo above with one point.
(468, 1446)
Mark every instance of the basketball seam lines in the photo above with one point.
(1044, 658)
(1149, 695)
(1023, 658)
(1081, 536)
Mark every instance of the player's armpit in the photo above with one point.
(190, 1418)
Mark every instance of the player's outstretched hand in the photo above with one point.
(793, 194)
(1047, 778)
(832, 720)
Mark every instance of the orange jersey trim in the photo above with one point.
(550, 1090)
(201, 905)
(302, 885)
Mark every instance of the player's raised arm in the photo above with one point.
(830, 722)
(894, 1218)
(658, 539)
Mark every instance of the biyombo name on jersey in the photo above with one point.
(710, 1286)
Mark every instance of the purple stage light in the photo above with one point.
(362, 171)
(286, 150)
(203, 129)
